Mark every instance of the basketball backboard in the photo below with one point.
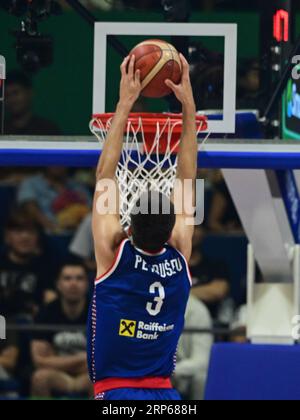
(132, 33)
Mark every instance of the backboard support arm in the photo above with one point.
(91, 20)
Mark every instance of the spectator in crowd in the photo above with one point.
(207, 80)
(19, 109)
(194, 352)
(206, 5)
(9, 354)
(55, 200)
(210, 278)
(249, 92)
(60, 357)
(82, 245)
(223, 216)
(239, 326)
(104, 5)
(26, 273)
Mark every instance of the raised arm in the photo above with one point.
(187, 165)
(107, 230)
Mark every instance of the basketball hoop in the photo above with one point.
(149, 155)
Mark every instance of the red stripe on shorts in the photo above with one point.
(117, 383)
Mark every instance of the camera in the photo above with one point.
(34, 50)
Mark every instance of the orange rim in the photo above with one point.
(150, 120)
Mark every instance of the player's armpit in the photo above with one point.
(106, 226)
(106, 253)
(108, 234)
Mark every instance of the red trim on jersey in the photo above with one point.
(114, 261)
(117, 383)
(190, 273)
(188, 270)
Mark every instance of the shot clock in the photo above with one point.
(283, 34)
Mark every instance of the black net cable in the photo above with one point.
(31, 328)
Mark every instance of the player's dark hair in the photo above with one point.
(16, 77)
(152, 221)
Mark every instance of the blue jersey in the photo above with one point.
(137, 315)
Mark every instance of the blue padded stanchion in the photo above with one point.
(222, 156)
(254, 372)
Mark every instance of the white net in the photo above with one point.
(144, 164)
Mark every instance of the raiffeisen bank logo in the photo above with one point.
(293, 100)
(2, 328)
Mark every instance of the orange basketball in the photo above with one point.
(157, 60)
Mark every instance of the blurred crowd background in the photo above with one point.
(47, 261)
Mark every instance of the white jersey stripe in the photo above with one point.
(148, 254)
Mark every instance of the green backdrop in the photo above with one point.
(63, 92)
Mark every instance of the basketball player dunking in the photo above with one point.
(143, 283)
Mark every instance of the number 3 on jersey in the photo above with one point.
(154, 307)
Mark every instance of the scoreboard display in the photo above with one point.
(291, 110)
(283, 34)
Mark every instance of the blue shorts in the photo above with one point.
(135, 394)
